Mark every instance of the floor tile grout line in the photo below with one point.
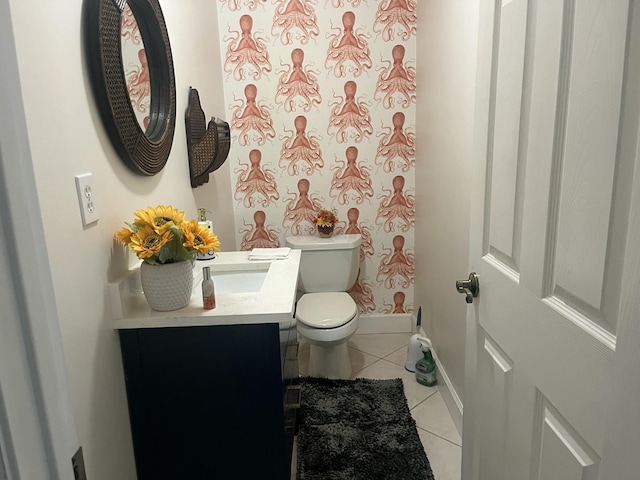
(380, 358)
(366, 353)
(439, 436)
(373, 354)
(425, 399)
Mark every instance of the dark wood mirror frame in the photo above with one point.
(145, 153)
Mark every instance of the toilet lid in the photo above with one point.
(325, 309)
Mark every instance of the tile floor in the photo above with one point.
(382, 356)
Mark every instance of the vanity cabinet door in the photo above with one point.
(206, 402)
(290, 385)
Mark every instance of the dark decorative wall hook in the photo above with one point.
(207, 145)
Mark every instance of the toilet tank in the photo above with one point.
(327, 264)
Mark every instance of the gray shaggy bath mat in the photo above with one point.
(358, 430)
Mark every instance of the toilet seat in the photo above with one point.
(325, 309)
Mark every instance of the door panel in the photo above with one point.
(585, 134)
(504, 194)
(549, 235)
(560, 452)
(496, 383)
(572, 163)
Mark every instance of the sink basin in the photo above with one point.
(239, 280)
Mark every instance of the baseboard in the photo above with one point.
(404, 323)
(449, 394)
(391, 323)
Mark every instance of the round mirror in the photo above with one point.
(136, 98)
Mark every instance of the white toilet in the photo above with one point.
(326, 315)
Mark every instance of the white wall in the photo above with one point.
(66, 138)
(447, 31)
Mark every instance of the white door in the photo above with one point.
(552, 377)
(37, 429)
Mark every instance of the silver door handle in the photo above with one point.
(470, 288)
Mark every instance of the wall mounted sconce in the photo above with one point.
(207, 145)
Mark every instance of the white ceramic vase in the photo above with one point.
(167, 287)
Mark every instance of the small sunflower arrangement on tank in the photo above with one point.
(326, 221)
(161, 235)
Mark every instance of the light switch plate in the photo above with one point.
(86, 198)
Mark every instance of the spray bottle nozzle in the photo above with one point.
(425, 343)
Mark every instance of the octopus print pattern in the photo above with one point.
(366, 245)
(295, 18)
(350, 118)
(397, 208)
(298, 84)
(136, 68)
(302, 209)
(400, 13)
(349, 47)
(396, 79)
(350, 178)
(259, 235)
(396, 266)
(129, 27)
(249, 117)
(362, 294)
(246, 52)
(342, 3)
(300, 151)
(320, 96)
(396, 144)
(139, 84)
(398, 305)
(235, 5)
(255, 181)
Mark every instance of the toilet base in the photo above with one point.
(329, 361)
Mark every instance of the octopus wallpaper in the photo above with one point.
(136, 69)
(320, 97)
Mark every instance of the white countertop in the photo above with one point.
(273, 303)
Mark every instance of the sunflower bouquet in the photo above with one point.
(161, 235)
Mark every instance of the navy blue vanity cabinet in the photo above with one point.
(290, 385)
(207, 402)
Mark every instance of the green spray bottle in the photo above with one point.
(426, 366)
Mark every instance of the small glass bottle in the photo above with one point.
(208, 290)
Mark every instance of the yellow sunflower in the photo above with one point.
(124, 235)
(199, 237)
(146, 242)
(160, 218)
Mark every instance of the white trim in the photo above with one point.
(7, 458)
(449, 394)
(33, 319)
(607, 339)
(389, 323)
